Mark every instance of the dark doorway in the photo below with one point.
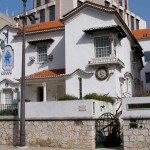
(40, 94)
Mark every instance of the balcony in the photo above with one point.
(106, 61)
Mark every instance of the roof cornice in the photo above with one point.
(41, 31)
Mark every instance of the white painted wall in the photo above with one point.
(57, 49)
(80, 49)
(86, 109)
(16, 71)
(145, 45)
(136, 113)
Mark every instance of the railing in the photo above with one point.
(8, 109)
(106, 60)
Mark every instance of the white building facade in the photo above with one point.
(91, 50)
(143, 37)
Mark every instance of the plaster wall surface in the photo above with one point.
(145, 45)
(67, 109)
(135, 113)
(80, 50)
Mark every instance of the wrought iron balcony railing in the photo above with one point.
(8, 109)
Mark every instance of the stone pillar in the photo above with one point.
(44, 91)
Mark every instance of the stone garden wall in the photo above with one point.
(136, 134)
(72, 134)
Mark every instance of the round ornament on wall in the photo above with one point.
(101, 73)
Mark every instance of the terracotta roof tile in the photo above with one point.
(141, 34)
(44, 26)
(46, 73)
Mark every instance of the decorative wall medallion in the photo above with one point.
(101, 73)
(6, 84)
(8, 58)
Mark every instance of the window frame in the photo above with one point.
(120, 3)
(121, 13)
(52, 13)
(46, 1)
(8, 96)
(41, 54)
(146, 77)
(132, 23)
(147, 59)
(126, 4)
(101, 53)
(137, 24)
(38, 3)
(42, 15)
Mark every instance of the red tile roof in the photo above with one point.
(142, 34)
(44, 26)
(46, 74)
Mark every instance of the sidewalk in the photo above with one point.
(5, 147)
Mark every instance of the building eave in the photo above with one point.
(41, 31)
(78, 72)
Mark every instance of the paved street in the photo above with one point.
(4, 147)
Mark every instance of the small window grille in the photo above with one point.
(102, 46)
(42, 53)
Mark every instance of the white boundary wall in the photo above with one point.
(136, 123)
(135, 113)
(67, 109)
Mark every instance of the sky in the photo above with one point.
(138, 7)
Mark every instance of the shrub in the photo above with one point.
(99, 97)
(67, 97)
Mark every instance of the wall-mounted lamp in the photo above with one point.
(32, 17)
(6, 35)
(101, 107)
(50, 57)
(2, 44)
(32, 59)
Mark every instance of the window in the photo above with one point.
(38, 3)
(33, 21)
(126, 4)
(128, 21)
(42, 15)
(107, 3)
(102, 46)
(8, 96)
(147, 77)
(121, 12)
(46, 1)
(120, 2)
(132, 23)
(52, 13)
(42, 53)
(137, 24)
(147, 56)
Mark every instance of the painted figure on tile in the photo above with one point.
(7, 58)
